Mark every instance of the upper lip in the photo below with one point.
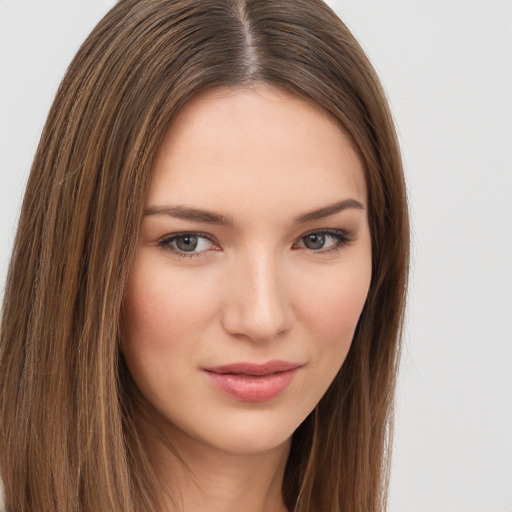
(246, 368)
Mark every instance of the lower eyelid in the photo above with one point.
(166, 243)
(339, 239)
(337, 242)
(343, 237)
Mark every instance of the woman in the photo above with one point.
(205, 298)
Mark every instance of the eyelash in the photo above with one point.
(165, 243)
(341, 240)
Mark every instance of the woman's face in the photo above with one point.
(253, 267)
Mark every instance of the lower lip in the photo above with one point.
(248, 388)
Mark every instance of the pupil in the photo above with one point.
(186, 243)
(314, 241)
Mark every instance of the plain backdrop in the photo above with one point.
(447, 69)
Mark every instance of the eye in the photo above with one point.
(324, 241)
(187, 244)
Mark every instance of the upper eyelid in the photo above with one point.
(165, 243)
(346, 235)
(342, 237)
(324, 230)
(327, 231)
(198, 234)
(212, 238)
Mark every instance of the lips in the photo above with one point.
(249, 382)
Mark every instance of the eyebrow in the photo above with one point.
(346, 204)
(193, 214)
(198, 215)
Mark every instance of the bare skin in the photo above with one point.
(254, 250)
(209, 480)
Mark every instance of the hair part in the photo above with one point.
(68, 438)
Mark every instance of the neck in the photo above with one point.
(201, 478)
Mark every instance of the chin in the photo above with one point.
(254, 441)
(248, 433)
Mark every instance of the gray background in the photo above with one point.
(447, 68)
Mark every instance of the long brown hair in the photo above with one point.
(68, 441)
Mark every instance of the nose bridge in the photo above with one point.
(258, 306)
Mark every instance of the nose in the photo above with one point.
(258, 307)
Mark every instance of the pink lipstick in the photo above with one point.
(249, 382)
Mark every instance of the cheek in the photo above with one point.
(345, 306)
(334, 305)
(162, 318)
(330, 313)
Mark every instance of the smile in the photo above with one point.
(249, 382)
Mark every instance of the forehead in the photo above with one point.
(262, 144)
